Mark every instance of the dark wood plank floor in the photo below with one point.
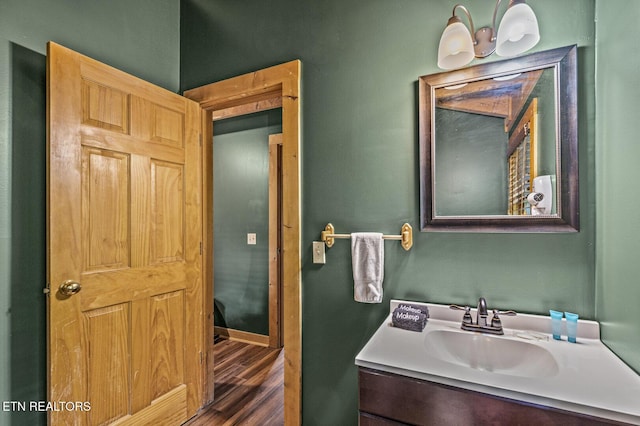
(249, 387)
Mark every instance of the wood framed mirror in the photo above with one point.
(499, 146)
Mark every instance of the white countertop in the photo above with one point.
(591, 379)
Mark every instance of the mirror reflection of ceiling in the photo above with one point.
(501, 97)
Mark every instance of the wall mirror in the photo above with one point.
(499, 146)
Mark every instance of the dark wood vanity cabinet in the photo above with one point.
(389, 399)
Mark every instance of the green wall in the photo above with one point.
(360, 64)
(26, 319)
(471, 174)
(241, 206)
(138, 36)
(617, 154)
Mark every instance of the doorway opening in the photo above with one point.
(246, 227)
(247, 194)
(275, 87)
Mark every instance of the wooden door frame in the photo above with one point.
(275, 240)
(277, 86)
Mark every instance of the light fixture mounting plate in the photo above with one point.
(484, 42)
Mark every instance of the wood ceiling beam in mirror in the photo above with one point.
(503, 99)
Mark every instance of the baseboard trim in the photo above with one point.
(242, 336)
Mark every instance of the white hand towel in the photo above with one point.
(367, 259)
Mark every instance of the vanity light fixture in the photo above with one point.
(517, 33)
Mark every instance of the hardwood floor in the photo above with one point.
(249, 387)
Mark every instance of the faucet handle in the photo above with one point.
(459, 308)
(495, 321)
(507, 313)
(466, 318)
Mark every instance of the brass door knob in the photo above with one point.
(69, 287)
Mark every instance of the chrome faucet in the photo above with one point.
(481, 313)
(482, 325)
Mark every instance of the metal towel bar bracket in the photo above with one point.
(328, 236)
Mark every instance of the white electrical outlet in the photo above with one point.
(318, 252)
(251, 239)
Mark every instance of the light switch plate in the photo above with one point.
(318, 252)
(251, 239)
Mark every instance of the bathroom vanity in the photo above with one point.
(385, 397)
(444, 375)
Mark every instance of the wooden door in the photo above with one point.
(125, 222)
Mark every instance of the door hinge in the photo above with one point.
(201, 358)
(200, 248)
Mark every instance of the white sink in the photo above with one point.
(524, 364)
(490, 353)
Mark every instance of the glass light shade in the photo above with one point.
(456, 47)
(518, 31)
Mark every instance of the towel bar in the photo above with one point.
(406, 236)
